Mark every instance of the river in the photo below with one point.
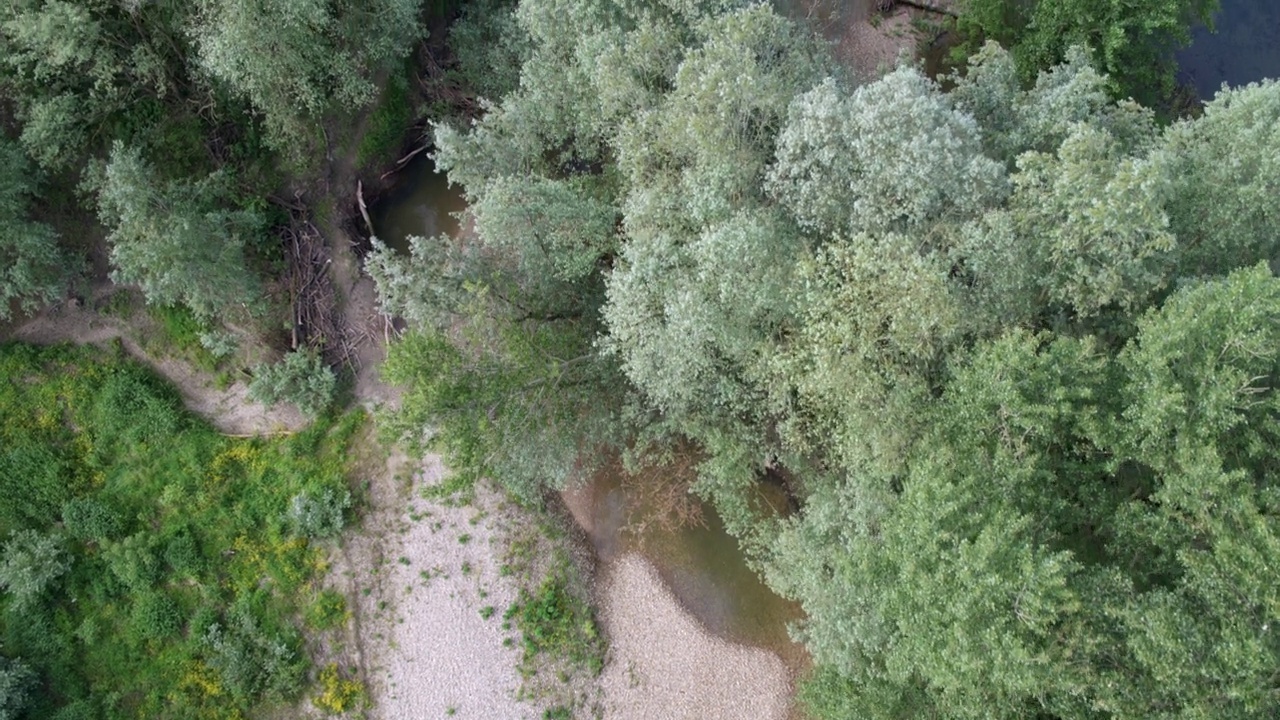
(1245, 47)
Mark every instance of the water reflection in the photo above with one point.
(1245, 48)
(421, 203)
(701, 563)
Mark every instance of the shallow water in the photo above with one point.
(420, 203)
(702, 565)
(1245, 48)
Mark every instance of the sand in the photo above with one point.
(421, 572)
(664, 664)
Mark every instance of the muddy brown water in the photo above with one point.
(702, 565)
(420, 203)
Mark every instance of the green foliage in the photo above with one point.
(80, 73)
(328, 610)
(176, 239)
(17, 684)
(31, 561)
(155, 616)
(555, 621)
(988, 333)
(388, 123)
(490, 48)
(1132, 43)
(296, 60)
(252, 659)
(178, 530)
(301, 379)
(90, 520)
(33, 265)
(319, 514)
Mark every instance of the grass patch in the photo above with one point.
(185, 574)
(180, 332)
(555, 622)
(388, 122)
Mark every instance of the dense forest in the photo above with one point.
(1005, 336)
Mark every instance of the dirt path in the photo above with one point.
(229, 409)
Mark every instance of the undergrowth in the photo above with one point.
(557, 624)
(188, 587)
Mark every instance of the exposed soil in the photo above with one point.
(229, 409)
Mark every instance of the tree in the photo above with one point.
(79, 71)
(296, 60)
(1221, 205)
(836, 173)
(33, 266)
(1132, 44)
(30, 563)
(17, 681)
(172, 238)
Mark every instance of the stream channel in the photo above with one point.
(702, 564)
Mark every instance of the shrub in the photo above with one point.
(319, 514)
(327, 611)
(155, 616)
(34, 483)
(557, 622)
(338, 695)
(131, 409)
(17, 681)
(301, 379)
(30, 563)
(218, 343)
(133, 562)
(251, 660)
(183, 554)
(78, 710)
(90, 520)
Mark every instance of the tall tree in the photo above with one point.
(296, 60)
(176, 239)
(1132, 43)
(32, 266)
(81, 71)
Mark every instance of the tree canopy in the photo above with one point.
(1012, 340)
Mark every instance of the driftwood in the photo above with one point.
(364, 211)
(401, 162)
(317, 322)
(925, 6)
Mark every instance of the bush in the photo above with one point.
(17, 681)
(251, 660)
(90, 520)
(218, 343)
(183, 554)
(133, 562)
(327, 611)
(301, 379)
(34, 482)
(155, 616)
(338, 695)
(78, 710)
(557, 622)
(132, 409)
(31, 562)
(319, 514)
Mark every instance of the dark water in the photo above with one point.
(701, 564)
(1245, 48)
(421, 203)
